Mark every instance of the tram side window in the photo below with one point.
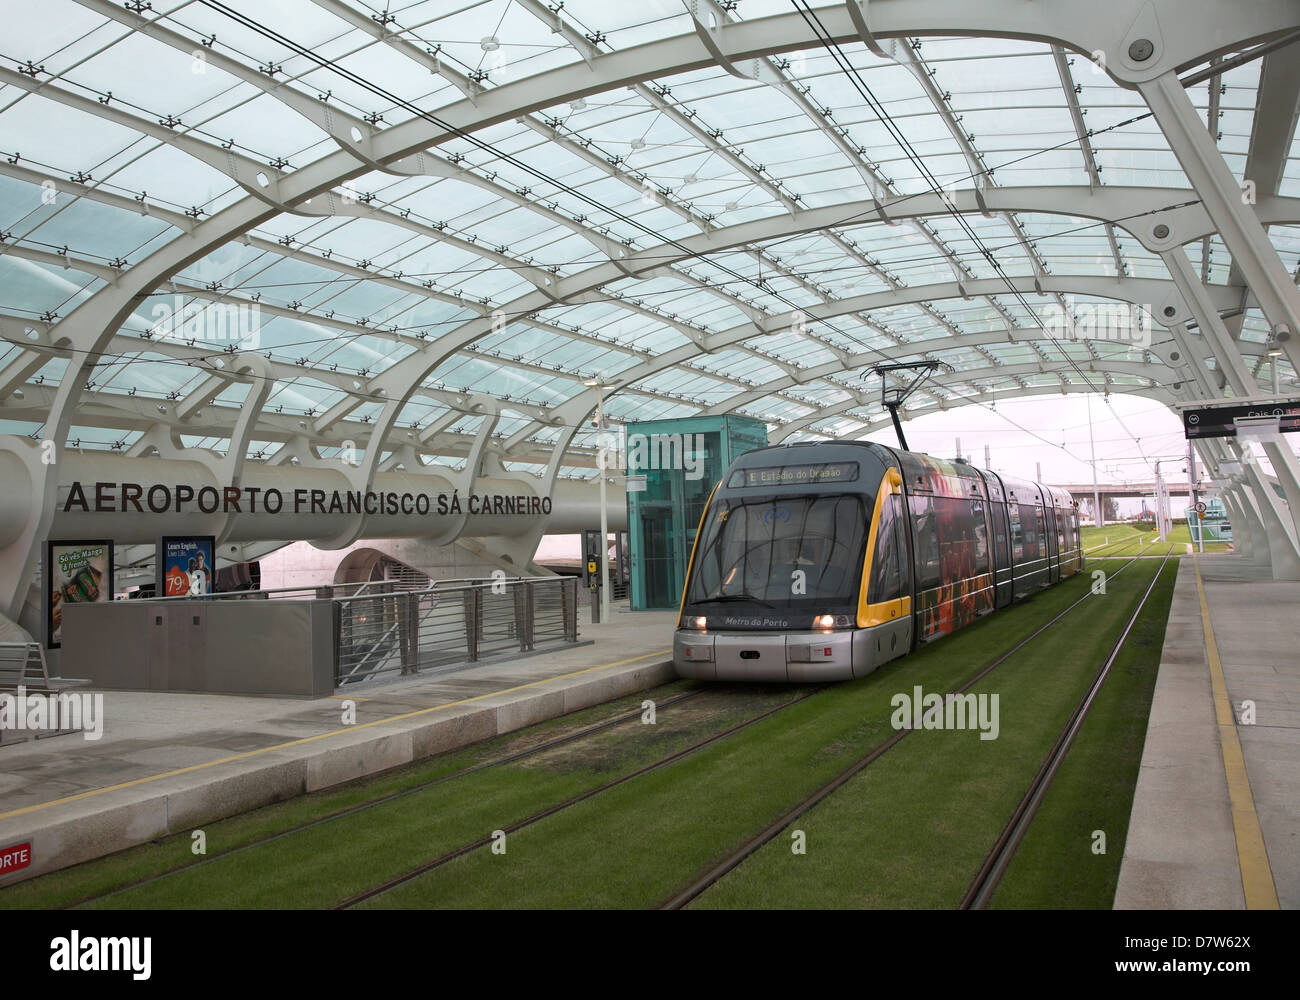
(957, 542)
(1017, 534)
(981, 536)
(887, 578)
(999, 513)
(1031, 528)
(926, 532)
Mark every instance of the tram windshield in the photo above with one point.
(790, 552)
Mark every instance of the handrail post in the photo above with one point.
(569, 590)
(405, 633)
(473, 621)
(521, 615)
(414, 598)
(530, 612)
(338, 638)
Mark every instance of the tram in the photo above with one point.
(820, 561)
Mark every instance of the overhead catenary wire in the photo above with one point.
(859, 84)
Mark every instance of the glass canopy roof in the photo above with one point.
(702, 241)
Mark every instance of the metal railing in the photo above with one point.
(328, 591)
(382, 629)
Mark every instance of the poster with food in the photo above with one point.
(75, 573)
(186, 566)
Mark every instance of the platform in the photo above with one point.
(1216, 812)
(169, 762)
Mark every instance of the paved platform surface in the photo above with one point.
(1190, 832)
(168, 762)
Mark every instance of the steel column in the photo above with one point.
(1223, 199)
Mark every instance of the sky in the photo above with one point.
(1130, 434)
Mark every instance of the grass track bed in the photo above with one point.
(912, 830)
(1119, 540)
(1055, 864)
(321, 865)
(92, 879)
(636, 845)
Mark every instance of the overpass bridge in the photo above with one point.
(1082, 491)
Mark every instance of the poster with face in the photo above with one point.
(76, 572)
(185, 565)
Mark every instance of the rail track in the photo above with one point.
(743, 851)
(537, 817)
(1004, 848)
(539, 748)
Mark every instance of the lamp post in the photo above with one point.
(601, 452)
(1096, 493)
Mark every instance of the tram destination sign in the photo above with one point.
(1216, 421)
(796, 475)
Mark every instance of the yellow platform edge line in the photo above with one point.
(1256, 875)
(320, 736)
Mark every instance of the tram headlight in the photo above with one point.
(697, 623)
(826, 622)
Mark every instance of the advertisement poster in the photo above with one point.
(185, 566)
(76, 572)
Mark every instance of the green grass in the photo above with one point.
(636, 845)
(912, 830)
(1055, 865)
(1182, 535)
(1092, 536)
(1128, 540)
(1140, 545)
(322, 865)
(71, 885)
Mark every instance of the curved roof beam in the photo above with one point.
(1115, 199)
(240, 168)
(933, 350)
(1133, 290)
(205, 418)
(883, 422)
(328, 205)
(1116, 205)
(957, 378)
(340, 125)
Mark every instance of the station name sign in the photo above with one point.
(1216, 421)
(796, 475)
(161, 498)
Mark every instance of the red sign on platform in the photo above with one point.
(14, 858)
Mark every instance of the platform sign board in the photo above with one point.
(76, 572)
(185, 565)
(1216, 421)
(636, 484)
(15, 857)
